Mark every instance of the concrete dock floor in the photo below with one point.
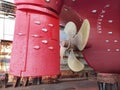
(69, 85)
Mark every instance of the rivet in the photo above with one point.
(99, 29)
(100, 19)
(66, 9)
(36, 47)
(110, 21)
(44, 29)
(37, 22)
(101, 16)
(100, 32)
(115, 41)
(36, 36)
(99, 22)
(47, 1)
(110, 33)
(51, 48)
(108, 50)
(107, 41)
(73, 0)
(94, 11)
(103, 11)
(108, 5)
(44, 41)
(51, 25)
(117, 50)
(20, 34)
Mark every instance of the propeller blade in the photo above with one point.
(77, 40)
(74, 64)
(83, 35)
(70, 29)
(62, 51)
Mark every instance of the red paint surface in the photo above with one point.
(103, 49)
(54, 5)
(30, 55)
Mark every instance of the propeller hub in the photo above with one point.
(66, 43)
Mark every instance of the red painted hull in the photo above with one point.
(34, 56)
(103, 49)
(36, 39)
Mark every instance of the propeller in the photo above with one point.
(70, 29)
(74, 64)
(73, 41)
(84, 33)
